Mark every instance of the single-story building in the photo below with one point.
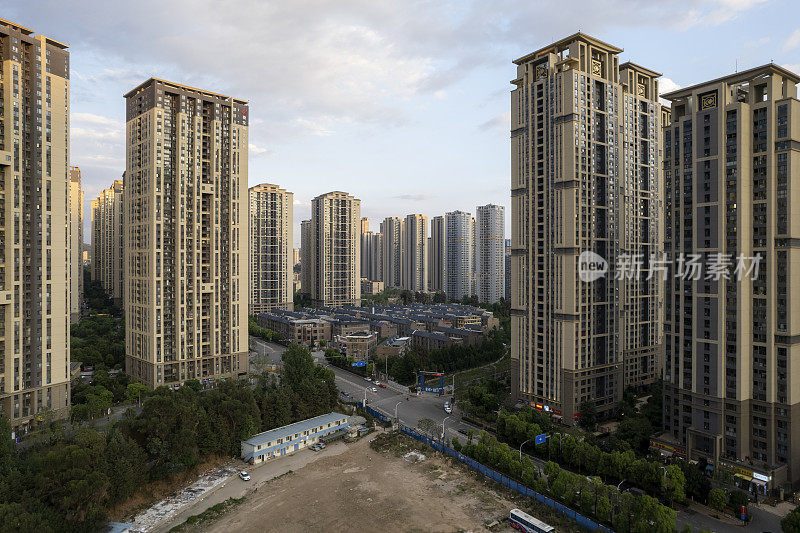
(289, 439)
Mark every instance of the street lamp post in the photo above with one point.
(520, 448)
(396, 420)
(443, 421)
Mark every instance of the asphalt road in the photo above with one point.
(431, 406)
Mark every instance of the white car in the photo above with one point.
(376, 382)
(244, 475)
(374, 389)
(368, 378)
(447, 408)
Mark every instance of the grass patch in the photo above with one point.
(210, 514)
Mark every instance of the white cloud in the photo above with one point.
(259, 151)
(500, 123)
(666, 85)
(793, 41)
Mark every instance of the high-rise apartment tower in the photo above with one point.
(34, 229)
(335, 250)
(458, 255)
(186, 237)
(271, 240)
(585, 180)
(108, 242)
(732, 343)
(414, 269)
(75, 244)
(490, 253)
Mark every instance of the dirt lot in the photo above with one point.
(366, 490)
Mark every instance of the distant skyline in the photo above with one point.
(404, 105)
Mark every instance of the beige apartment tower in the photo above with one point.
(335, 250)
(186, 234)
(414, 258)
(34, 226)
(436, 254)
(585, 179)
(271, 238)
(75, 244)
(490, 226)
(108, 242)
(392, 252)
(732, 346)
(306, 268)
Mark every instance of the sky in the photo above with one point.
(404, 104)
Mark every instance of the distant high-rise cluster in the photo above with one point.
(107, 258)
(75, 244)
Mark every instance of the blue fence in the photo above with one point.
(377, 414)
(500, 478)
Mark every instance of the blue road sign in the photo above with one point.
(360, 363)
(541, 439)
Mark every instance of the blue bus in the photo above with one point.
(525, 522)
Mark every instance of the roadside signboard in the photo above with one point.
(541, 439)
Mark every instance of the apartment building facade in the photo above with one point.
(34, 226)
(585, 182)
(75, 244)
(335, 249)
(458, 255)
(108, 242)
(392, 252)
(436, 252)
(186, 234)
(414, 259)
(490, 252)
(271, 240)
(306, 269)
(732, 176)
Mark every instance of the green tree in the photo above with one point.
(717, 499)
(587, 415)
(673, 484)
(134, 391)
(791, 522)
(125, 465)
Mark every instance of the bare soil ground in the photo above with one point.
(368, 490)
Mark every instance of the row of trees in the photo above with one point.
(97, 340)
(262, 333)
(404, 368)
(667, 482)
(69, 484)
(625, 512)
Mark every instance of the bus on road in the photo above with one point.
(525, 522)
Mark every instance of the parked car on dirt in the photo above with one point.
(244, 475)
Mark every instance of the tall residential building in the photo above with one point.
(473, 287)
(75, 244)
(370, 252)
(186, 234)
(392, 252)
(507, 267)
(371, 256)
(731, 346)
(108, 242)
(436, 254)
(458, 255)
(306, 268)
(414, 259)
(295, 256)
(490, 269)
(271, 239)
(585, 179)
(34, 230)
(335, 250)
